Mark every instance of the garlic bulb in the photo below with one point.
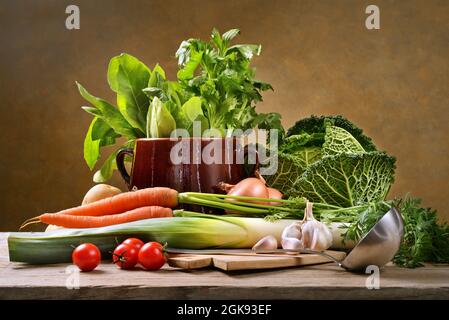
(315, 234)
(266, 243)
(307, 234)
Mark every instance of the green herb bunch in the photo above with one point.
(424, 240)
(215, 88)
(221, 75)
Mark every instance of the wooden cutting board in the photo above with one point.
(249, 261)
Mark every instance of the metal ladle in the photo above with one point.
(377, 247)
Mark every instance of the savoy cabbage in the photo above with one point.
(330, 160)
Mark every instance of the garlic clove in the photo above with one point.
(290, 238)
(316, 236)
(292, 231)
(266, 243)
(291, 244)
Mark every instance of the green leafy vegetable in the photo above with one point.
(291, 167)
(215, 87)
(108, 167)
(221, 75)
(348, 179)
(100, 134)
(425, 240)
(337, 140)
(110, 114)
(329, 160)
(91, 147)
(314, 124)
(191, 111)
(161, 122)
(91, 110)
(127, 76)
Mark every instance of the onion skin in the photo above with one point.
(274, 194)
(249, 187)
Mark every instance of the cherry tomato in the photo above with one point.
(125, 256)
(86, 256)
(156, 245)
(134, 242)
(151, 257)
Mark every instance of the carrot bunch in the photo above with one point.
(124, 207)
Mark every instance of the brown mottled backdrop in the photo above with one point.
(318, 55)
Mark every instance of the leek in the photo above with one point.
(186, 230)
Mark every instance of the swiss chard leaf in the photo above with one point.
(91, 110)
(157, 75)
(101, 129)
(191, 111)
(99, 134)
(110, 114)
(127, 76)
(107, 169)
(91, 147)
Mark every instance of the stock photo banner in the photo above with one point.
(224, 158)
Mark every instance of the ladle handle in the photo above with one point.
(323, 254)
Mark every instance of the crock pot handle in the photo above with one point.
(120, 160)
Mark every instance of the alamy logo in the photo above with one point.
(73, 279)
(255, 152)
(373, 20)
(373, 281)
(73, 20)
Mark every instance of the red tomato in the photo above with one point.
(86, 256)
(125, 256)
(156, 245)
(151, 257)
(134, 242)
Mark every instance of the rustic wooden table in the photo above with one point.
(325, 281)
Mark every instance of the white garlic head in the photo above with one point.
(315, 234)
(307, 234)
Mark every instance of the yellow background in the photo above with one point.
(318, 56)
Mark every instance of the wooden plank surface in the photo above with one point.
(326, 281)
(249, 261)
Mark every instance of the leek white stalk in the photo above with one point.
(187, 230)
(338, 229)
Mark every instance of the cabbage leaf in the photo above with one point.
(348, 179)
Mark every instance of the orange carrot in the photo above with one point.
(163, 197)
(72, 221)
